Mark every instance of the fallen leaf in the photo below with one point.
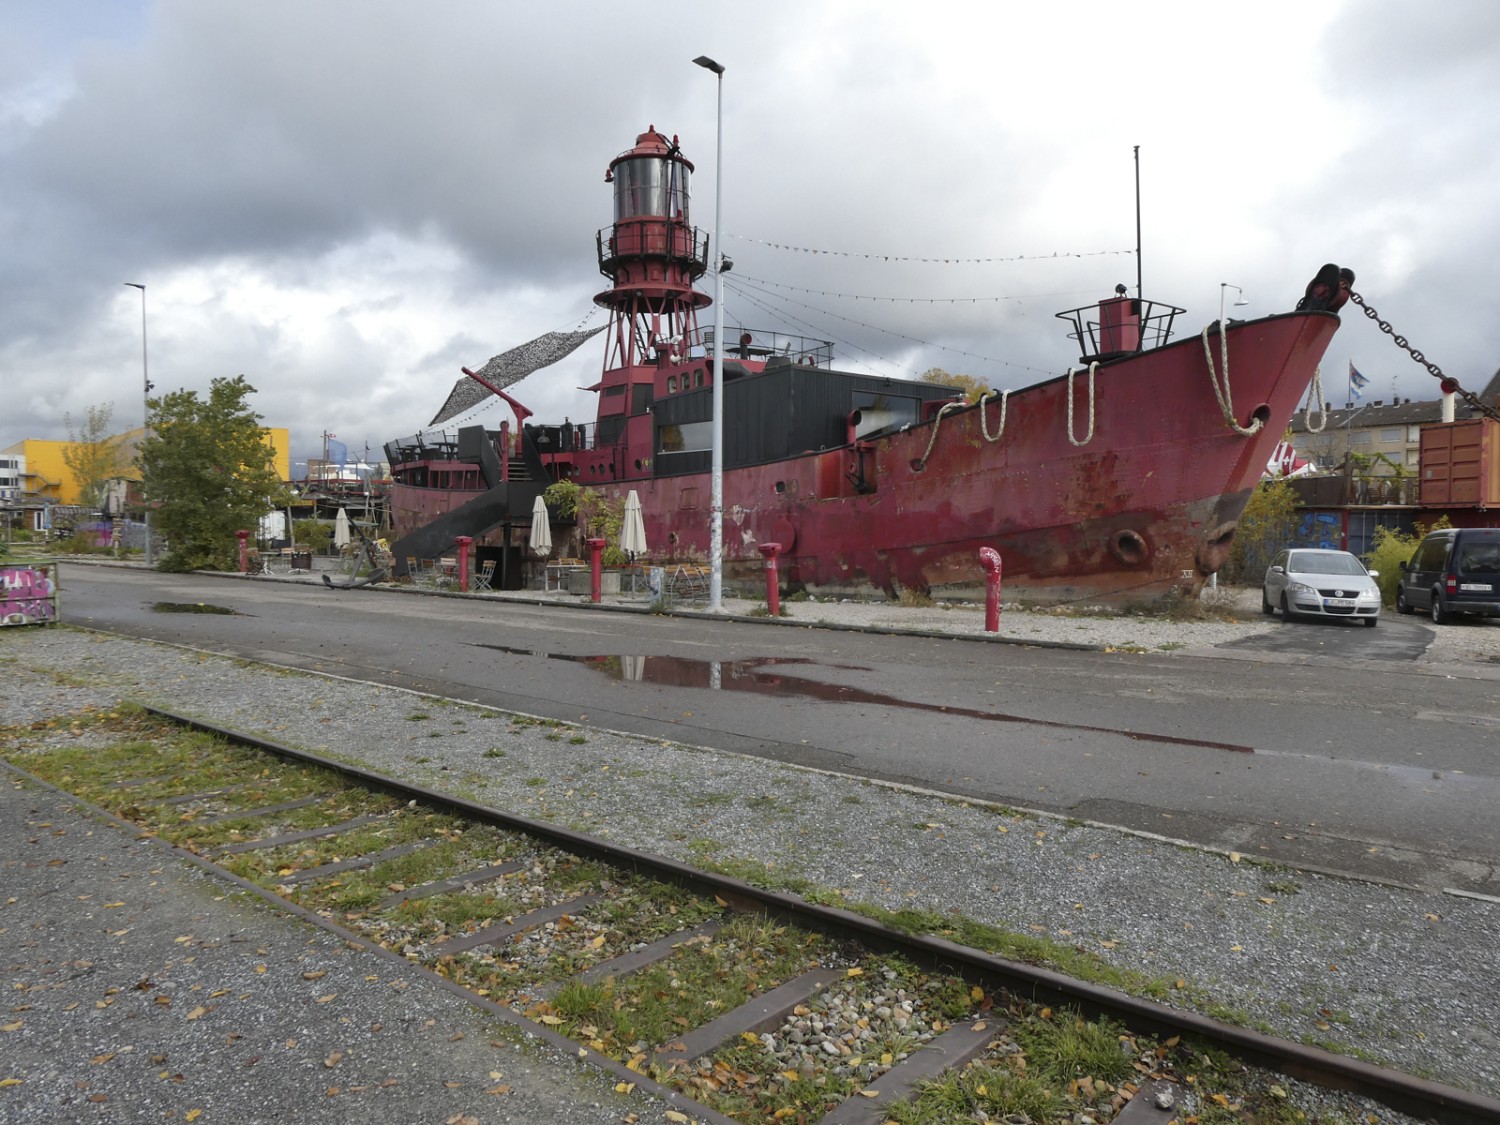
(1234, 857)
(334, 1059)
(315, 974)
(197, 1013)
(624, 1087)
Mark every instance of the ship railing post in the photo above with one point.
(773, 581)
(989, 558)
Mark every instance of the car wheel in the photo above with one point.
(1286, 609)
(1440, 616)
(1265, 603)
(1371, 622)
(1402, 605)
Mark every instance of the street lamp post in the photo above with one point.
(716, 487)
(146, 417)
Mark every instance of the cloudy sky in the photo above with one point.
(346, 200)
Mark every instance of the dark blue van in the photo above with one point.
(1455, 570)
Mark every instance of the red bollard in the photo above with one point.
(773, 582)
(244, 538)
(596, 565)
(464, 543)
(989, 558)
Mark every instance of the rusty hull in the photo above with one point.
(1145, 507)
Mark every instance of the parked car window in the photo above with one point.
(1327, 563)
(1480, 558)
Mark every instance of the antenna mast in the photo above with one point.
(1138, 291)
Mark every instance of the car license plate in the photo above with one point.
(1338, 603)
(1475, 587)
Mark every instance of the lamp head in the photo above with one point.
(708, 64)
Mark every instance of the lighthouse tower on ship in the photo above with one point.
(652, 255)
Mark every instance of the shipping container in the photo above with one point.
(1460, 464)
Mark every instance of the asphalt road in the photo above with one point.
(1381, 768)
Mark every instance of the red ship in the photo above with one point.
(1120, 481)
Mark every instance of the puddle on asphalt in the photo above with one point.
(194, 607)
(760, 677)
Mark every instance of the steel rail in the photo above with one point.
(1418, 1097)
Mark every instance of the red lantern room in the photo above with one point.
(652, 255)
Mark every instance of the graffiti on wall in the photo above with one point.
(28, 594)
(1321, 529)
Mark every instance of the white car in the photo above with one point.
(1304, 581)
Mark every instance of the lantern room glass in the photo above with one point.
(651, 186)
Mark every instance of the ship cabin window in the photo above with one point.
(642, 395)
(671, 384)
(687, 437)
(608, 430)
(698, 377)
(615, 391)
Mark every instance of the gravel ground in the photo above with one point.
(1401, 977)
(169, 1000)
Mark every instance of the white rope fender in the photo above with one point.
(936, 424)
(1317, 389)
(1222, 393)
(984, 422)
(1088, 437)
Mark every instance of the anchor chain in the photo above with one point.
(1473, 401)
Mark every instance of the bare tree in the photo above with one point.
(93, 455)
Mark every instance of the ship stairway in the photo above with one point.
(516, 469)
(509, 502)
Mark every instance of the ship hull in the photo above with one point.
(1133, 498)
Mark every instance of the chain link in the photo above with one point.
(1473, 401)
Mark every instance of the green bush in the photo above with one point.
(1265, 526)
(1392, 548)
(81, 543)
(314, 535)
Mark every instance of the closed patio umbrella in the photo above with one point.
(633, 530)
(341, 529)
(541, 529)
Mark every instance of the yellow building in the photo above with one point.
(47, 478)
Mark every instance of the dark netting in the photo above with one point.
(511, 367)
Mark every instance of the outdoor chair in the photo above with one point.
(483, 576)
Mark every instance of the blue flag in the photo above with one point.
(1357, 381)
(338, 452)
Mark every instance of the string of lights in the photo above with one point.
(877, 257)
(909, 300)
(742, 290)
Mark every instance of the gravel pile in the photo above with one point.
(1401, 977)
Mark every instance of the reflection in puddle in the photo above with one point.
(758, 676)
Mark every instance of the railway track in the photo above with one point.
(731, 1002)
